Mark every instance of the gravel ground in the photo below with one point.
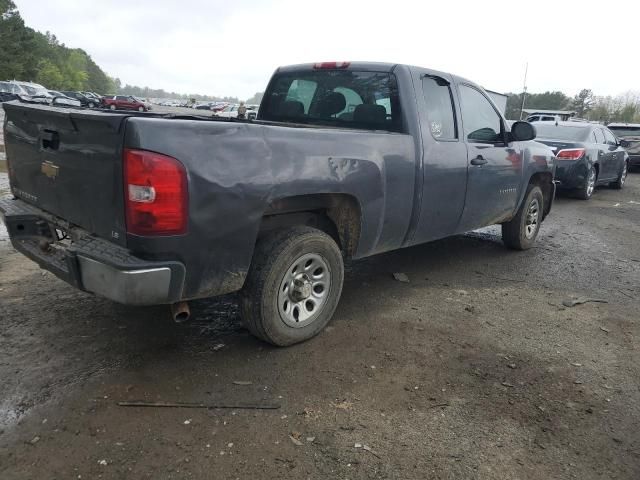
(474, 369)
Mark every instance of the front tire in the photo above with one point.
(141, 109)
(619, 183)
(112, 107)
(293, 285)
(521, 231)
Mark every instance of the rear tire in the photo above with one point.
(112, 107)
(293, 285)
(619, 183)
(586, 191)
(91, 105)
(141, 109)
(521, 231)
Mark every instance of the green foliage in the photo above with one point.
(623, 108)
(543, 101)
(583, 103)
(32, 56)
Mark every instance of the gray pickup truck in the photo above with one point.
(344, 160)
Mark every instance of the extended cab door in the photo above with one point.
(444, 163)
(495, 166)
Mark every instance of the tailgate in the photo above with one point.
(68, 163)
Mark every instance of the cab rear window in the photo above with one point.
(340, 98)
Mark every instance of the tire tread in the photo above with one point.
(266, 255)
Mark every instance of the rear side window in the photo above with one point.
(441, 119)
(340, 98)
(481, 122)
(599, 135)
(609, 137)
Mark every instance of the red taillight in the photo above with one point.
(331, 65)
(156, 196)
(571, 154)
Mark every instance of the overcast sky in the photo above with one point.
(226, 47)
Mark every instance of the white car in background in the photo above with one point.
(231, 111)
(34, 92)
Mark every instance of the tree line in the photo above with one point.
(605, 109)
(32, 56)
(28, 55)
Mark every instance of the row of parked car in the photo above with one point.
(589, 154)
(34, 92)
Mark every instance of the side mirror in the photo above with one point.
(623, 143)
(522, 131)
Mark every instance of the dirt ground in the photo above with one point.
(473, 369)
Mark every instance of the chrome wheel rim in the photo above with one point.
(304, 290)
(624, 174)
(591, 182)
(531, 222)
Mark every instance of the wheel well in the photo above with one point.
(597, 167)
(544, 180)
(336, 214)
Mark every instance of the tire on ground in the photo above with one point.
(274, 255)
(622, 176)
(584, 192)
(514, 231)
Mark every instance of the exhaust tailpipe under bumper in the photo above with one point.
(180, 312)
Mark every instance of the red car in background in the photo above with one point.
(124, 102)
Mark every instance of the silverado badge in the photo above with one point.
(49, 169)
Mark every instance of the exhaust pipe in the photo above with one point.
(180, 312)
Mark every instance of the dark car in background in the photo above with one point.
(587, 155)
(92, 95)
(83, 99)
(60, 98)
(630, 132)
(204, 106)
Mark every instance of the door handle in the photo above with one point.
(479, 160)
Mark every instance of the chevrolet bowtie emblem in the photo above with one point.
(49, 169)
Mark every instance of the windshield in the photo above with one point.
(340, 98)
(626, 131)
(552, 131)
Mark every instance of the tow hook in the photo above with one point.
(180, 312)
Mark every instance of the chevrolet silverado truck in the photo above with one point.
(345, 160)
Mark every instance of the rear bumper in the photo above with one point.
(90, 263)
(571, 174)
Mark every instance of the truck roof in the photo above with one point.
(370, 67)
